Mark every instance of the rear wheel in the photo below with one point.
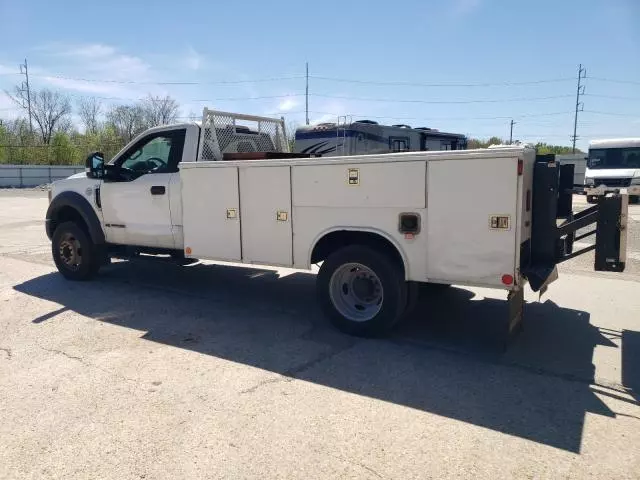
(362, 290)
(634, 198)
(75, 255)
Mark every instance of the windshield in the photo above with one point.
(615, 158)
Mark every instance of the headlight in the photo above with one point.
(635, 181)
(589, 182)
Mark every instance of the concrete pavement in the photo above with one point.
(214, 371)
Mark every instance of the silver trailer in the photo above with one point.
(368, 137)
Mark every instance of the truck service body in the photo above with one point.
(378, 224)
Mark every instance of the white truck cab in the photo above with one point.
(612, 165)
(229, 190)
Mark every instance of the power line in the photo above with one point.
(612, 113)
(601, 79)
(262, 97)
(364, 115)
(440, 102)
(417, 84)
(617, 97)
(133, 82)
(298, 77)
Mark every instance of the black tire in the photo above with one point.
(634, 198)
(80, 262)
(413, 297)
(394, 290)
(438, 286)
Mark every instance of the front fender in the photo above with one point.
(80, 204)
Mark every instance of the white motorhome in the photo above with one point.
(364, 137)
(612, 165)
(377, 224)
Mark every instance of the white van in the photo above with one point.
(613, 164)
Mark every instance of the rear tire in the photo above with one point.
(74, 253)
(362, 291)
(634, 198)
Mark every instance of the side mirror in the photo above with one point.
(94, 165)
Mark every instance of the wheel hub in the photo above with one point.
(356, 292)
(70, 252)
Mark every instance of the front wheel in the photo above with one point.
(362, 291)
(75, 255)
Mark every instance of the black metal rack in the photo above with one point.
(554, 225)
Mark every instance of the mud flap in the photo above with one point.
(515, 300)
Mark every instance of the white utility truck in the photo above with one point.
(228, 190)
(613, 165)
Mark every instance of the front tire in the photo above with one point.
(75, 255)
(362, 291)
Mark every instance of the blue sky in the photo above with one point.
(407, 47)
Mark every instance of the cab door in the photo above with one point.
(135, 197)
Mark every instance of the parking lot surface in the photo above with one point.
(156, 371)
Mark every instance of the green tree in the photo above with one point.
(63, 151)
(544, 148)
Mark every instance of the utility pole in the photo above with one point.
(582, 73)
(306, 96)
(511, 132)
(24, 70)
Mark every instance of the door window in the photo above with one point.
(160, 153)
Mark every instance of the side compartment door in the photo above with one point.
(210, 212)
(265, 208)
(472, 211)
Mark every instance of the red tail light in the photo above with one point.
(507, 279)
(520, 166)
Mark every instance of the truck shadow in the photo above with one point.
(443, 360)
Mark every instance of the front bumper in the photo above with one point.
(603, 190)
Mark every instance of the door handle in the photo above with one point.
(157, 190)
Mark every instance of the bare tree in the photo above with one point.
(160, 110)
(89, 110)
(49, 109)
(127, 120)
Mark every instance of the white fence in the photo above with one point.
(34, 175)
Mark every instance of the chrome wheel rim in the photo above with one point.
(356, 292)
(70, 252)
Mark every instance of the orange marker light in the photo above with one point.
(187, 250)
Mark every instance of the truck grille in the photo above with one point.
(613, 182)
